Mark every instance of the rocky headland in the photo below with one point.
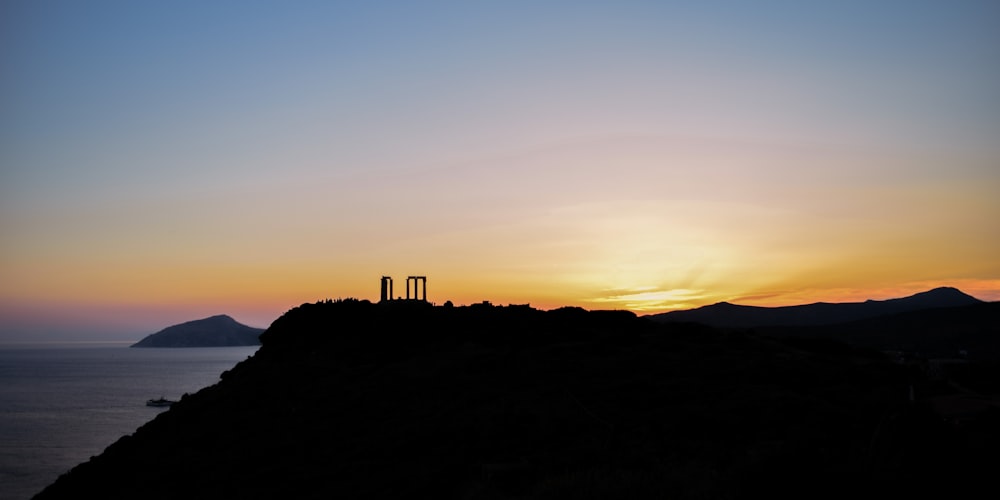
(402, 399)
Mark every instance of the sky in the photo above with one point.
(166, 161)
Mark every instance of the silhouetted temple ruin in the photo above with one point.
(416, 279)
(419, 288)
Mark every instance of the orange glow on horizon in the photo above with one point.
(259, 306)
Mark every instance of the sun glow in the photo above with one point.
(651, 299)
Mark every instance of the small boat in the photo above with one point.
(159, 402)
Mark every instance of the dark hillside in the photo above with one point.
(971, 332)
(350, 399)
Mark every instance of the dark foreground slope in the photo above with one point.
(215, 331)
(404, 400)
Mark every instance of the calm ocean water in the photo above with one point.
(61, 405)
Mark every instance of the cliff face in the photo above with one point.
(399, 400)
(216, 331)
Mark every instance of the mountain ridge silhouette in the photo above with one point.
(729, 315)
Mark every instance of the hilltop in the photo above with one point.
(403, 399)
(215, 331)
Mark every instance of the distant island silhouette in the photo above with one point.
(215, 331)
(404, 399)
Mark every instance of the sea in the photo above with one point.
(64, 403)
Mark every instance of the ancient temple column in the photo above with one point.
(386, 288)
(417, 282)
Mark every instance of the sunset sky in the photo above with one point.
(162, 161)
